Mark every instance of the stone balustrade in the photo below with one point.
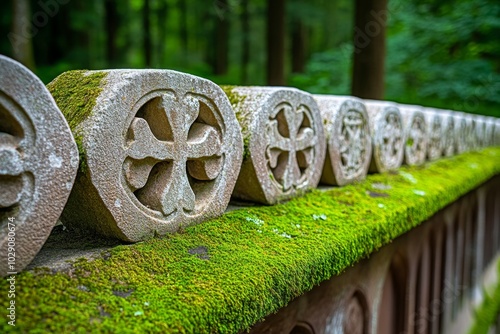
(160, 150)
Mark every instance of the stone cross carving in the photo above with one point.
(38, 163)
(387, 135)
(284, 142)
(415, 128)
(434, 133)
(162, 150)
(347, 132)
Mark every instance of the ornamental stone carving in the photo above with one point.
(435, 133)
(162, 150)
(38, 163)
(387, 132)
(415, 129)
(460, 122)
(284, 142)
(348, 138)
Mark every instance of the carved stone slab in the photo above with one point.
(448, 127)
(415, 129)
(284, 142)
(489, 136)
(38, 163)
(461, 142)
(162, 150)
(470, 132)
(435, 133)
(349, 146)
(386, 127)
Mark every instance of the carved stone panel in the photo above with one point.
(435, 133)
(415, 129)
(349, 146)
(386, 127)
(162, 150)
(38, 163)
(448, 126)
(284, 142)
(470, 132)
(461, 142)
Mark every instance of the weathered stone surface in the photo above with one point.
(449, 134)
(415, 129)
(461, 142)
(435, 133)
(38, 163)
(489, 136)
(386, 127)
(284, 142)
(162, 150)
(470, 132)
(347, 132)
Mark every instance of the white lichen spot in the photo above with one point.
(146, 303)
(118, 203)
(55, 161)
(408, 177)
(297, 225)
(138, 313)
(419, 192)
(381, 186)
(256, 221)
(380, 205)
(321, 216)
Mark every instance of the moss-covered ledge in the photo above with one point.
(224, 275)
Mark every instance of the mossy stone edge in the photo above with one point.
(75, 93)
(257, 259)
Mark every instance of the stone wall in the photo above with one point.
(160, 150)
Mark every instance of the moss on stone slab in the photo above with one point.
(75, 93)
(255, 260)
(486, 314)
(236, 101)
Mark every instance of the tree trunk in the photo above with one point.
(22, 33)
(276, 42)
(369, 49)
(298, 46)
(111, 31)
(221, 39)
(245, 41)
(146, 30)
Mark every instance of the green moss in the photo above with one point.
(236, 100)
(486, 314)
(259, 258)
(409, 142)
(75, 93)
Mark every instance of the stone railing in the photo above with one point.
(140, 153)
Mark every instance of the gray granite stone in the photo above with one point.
(415, 128)
(435, 133)
(162, 151)
(449, 134)
(461, 142)
(386, 127)
(348, 138)
(284, 142)
(38, 164)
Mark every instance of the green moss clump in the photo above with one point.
(258, 258)
(75, 93)
(236, 100)
(487, 313)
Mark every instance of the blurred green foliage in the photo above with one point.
(442, 53)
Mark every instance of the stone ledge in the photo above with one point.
(226, 274)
